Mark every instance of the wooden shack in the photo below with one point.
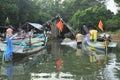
(67, 31)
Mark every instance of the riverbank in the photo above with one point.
(115, 37)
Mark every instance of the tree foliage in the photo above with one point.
(113, 24)
(74, 12)
(8, 9)
(90, 16)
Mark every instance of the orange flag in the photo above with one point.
(100, 25)
(60, 25)
(59, 64)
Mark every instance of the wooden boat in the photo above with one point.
(25, 46)
(28, 44)
(99, 47)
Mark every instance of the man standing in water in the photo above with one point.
(8, 53)
(93, 34)
(79, 40)
(9, 49)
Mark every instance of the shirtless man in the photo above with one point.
(79, 39)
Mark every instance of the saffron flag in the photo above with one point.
(100, 25)
(60, 25)
(59, 64)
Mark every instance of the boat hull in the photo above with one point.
(90, 47)
(99, 47)
(23, 49)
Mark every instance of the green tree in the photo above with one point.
(8, 9)
(90, 16)
(113, 24)
(76, 12)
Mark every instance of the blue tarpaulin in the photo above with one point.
(36, 25)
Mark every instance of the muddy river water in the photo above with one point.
(58, 62)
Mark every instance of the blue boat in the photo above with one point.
(90, 47)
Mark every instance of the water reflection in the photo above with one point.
(78, 52)
(8, 70)
(51, 76)
(58, 62)
(110, 71)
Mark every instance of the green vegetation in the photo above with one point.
(74, 12)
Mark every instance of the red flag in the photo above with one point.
(60, 25)
(100, 25)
